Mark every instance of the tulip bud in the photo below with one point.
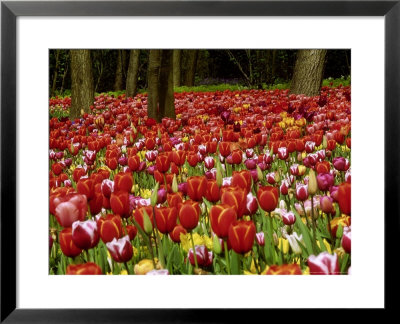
(174, 184)
(217, 248)
(277, 177)
(324, 142)
(219, 175)
(275, 238)
(312, 183)
(339, 232)
(154, 195)
(147, 226)
(259, 173)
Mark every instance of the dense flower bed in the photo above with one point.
(243, 182)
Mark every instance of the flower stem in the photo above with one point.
(127, 268)
(313, 223)
(194, 251)
(227, 257)
(157, 237)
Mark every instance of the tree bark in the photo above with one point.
(166, 86)
(53, 87)
(118, 73)
(177, 67)
(308, 72)
(133, 71)
(82, 92)
(153, 73)
(191, 67)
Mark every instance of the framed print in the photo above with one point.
(42, 43)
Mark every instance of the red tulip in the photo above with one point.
(123, 181)
(162, 163)
(139, 213)
(237, 157)
(85, 187)
(109, 227)
(344, 197)
(89, 268)
(179, 157)
(174, 199)
(211, 147)
(323, 264)
(133, 162)
(224, 148)
(70, 208)
(189, 213)
(78, 173)
(121, 250)
(192, 159)
(235, 197)
(150, 143)
(166, 218)
(241, 236)
(57, 168)
(85, 234)
(221, 217)
(197, 186)
(268, 198)
(213, 191)
(96, 203)
(175, 234)
(67, 245)
(242, 179)
(119, 202)
(322, 167)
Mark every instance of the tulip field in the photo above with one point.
(253, 182)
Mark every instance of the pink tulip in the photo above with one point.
(325, 181)
(121, 250)
(71, 208)
(288, 218)
(85, 235)
(346, 239)
(323, 264)
(301, 191)
(204, 258)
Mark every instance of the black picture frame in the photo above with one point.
(10, 10)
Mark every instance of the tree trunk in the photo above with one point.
(82, 92)
(191, 67)
(118, 73)
(177, 67)
(53, 87)
(133, 71)
(166, 86)
(308, 72)
(153, 72)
